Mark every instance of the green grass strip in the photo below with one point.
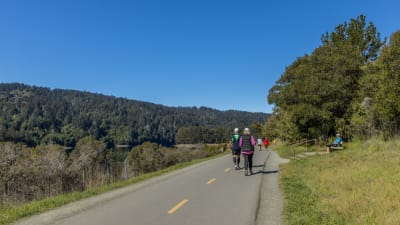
(301, 203)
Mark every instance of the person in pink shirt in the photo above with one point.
(247, 143)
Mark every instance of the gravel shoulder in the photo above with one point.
(270, 211)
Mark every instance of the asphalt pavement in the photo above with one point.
(209, 193)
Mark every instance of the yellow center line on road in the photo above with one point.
(179, 205)
(227, 170)
(211, 181)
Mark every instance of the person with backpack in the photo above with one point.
(247, 144)
(234, 143)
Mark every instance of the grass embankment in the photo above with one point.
(12, 214)
(358, 185)
(286, 151)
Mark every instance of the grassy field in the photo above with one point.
(12, 214)
(357, 185)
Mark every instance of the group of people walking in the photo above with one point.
(245, 145)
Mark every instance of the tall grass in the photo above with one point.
(358, 185)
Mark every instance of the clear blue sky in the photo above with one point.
(215, 53)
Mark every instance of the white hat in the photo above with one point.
(236, 130)
(247, 129)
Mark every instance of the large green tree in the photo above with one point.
(315, 92)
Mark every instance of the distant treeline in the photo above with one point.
(37, 115)
(350, 84)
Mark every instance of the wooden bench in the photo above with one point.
(329, 148)
(336, 147)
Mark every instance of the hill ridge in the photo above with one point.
(40, 115)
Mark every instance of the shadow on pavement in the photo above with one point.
(254, 166)
(266, 172)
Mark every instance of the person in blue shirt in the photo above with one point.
(336, 143)
(338, 140)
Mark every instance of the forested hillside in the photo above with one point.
(37, 115)
(350, 84)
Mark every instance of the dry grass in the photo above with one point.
(359, 185)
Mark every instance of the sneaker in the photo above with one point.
(246, 173)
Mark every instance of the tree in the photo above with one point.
(256, 129)
(386, 98)
(188, 135)
(50, 169)
(145, 158)
(363, 39)
(8, 158)
(316, 91)
(87, 153)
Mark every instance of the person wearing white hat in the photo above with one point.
(234, 143)
(338, 142)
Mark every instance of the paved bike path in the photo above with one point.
(205, 194)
